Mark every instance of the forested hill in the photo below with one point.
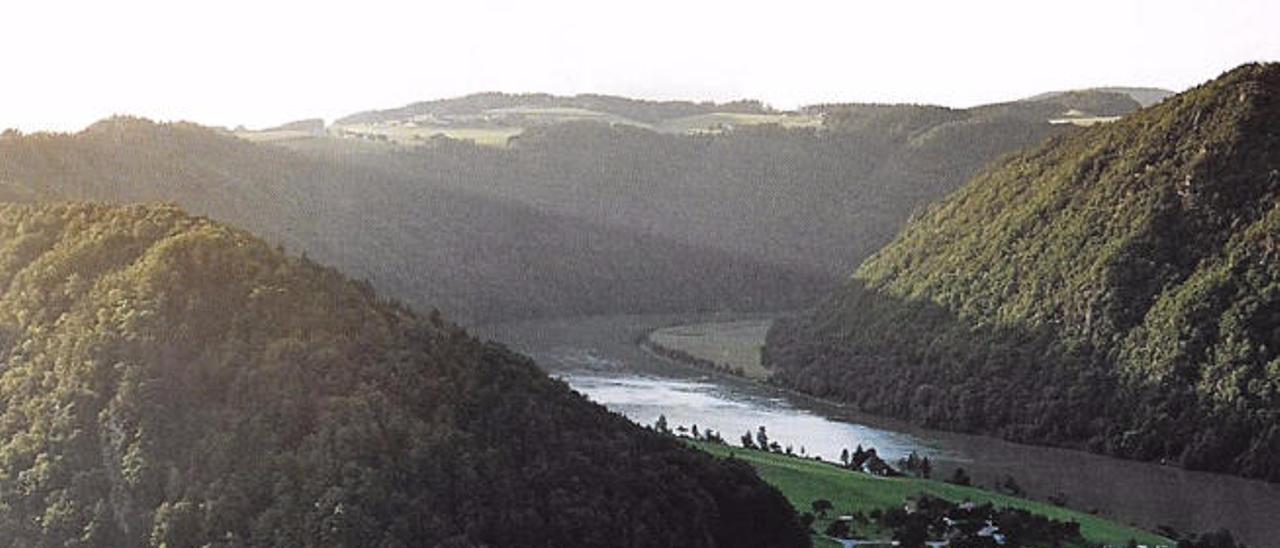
(169, 381)
(1117, 289)
(1145, 96)
(475, 257)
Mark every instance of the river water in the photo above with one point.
(598, 357)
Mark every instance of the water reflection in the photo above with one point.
(598, 357)
(709, 404)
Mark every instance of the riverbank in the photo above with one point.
(598, 356)
(803, 481)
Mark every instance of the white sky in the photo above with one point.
(65, 64)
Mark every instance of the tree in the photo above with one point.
(694, 431)
(661, 425)
(821, 507)
(1009, 486)
(960, 477)
(844, 456)
(915, 464)
(877, 466)
(747, 441)
(713, 437)
(762, 437)
(858, 457)
(912, 534)
(838, 529)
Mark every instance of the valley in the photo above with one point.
(572, 274)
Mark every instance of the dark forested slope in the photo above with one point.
(476, 257)
(1117, 289)
(168, 381)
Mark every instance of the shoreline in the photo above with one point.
(683, 359)
(1129, 492)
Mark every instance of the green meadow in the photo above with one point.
(804, 481)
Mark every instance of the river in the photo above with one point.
(598, 357)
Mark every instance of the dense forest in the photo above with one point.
(168, 381)
(1117, 289)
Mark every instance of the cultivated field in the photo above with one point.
(419, 134)
(735, 345)
(719, 121)
(494, 127)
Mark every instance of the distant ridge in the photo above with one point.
(1145, 96)
(313, 126)
(640, 110)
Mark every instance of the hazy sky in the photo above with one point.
(64, 64)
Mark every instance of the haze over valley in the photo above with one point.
(760, 276)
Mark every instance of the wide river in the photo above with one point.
(599, 357)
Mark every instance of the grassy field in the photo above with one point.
(710, 123)
(1084, 121)
(404, 134)
(554, 115)
(734, 344)
(804, 481)
(274, 136)
(495, 126)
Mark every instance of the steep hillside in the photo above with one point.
(168, 381)
(1117, 289)
(475, 257)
